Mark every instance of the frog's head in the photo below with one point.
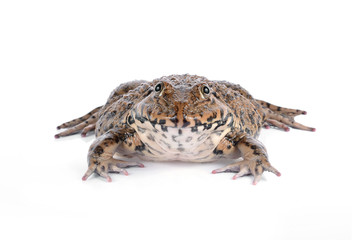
(183, 102)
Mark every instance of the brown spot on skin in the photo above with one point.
(256, 153)
(139, 148)
(217, 152)
(151, 137)
(194, 129)
(98, 150)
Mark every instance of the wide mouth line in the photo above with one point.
(192, 125)
(187, 122)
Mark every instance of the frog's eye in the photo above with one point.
(205, 90)
(158, 87)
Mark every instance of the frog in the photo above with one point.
(181, 118)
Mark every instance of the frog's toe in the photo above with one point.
(269, 168)
(89, 172)
(244, 171)
(249, 167)
(281, 110)
(93, 114)
(103, 168)
(87, 129)
(127, 164)
(278, 124)
(105, 175)
(258, 169)
(235, 167)
(84, 127)
(115, 169)
(283, 122)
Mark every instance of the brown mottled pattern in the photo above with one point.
(181, 117)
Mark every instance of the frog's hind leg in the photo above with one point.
(86, 125)
(281, 110)
(79, 120)
(281, 117)
(284, 121)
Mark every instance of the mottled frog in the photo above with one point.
(181, 118)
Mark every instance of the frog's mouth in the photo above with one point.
(217, 120)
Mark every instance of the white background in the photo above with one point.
(60, 59)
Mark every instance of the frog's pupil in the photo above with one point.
(206, 90)
(158, 87)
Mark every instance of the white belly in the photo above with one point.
(180, 144)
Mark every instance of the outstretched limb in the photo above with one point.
(77, 121)
(283, 121)
(255, 160)
(282, 118)
(87, 122)
(100, 156)
(281, 110)
(85, 126)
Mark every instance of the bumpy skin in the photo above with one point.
(184, 118)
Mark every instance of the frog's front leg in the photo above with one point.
(100, 156)
(255, 159)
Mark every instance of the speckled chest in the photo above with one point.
(178, 122)
(194, 144)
